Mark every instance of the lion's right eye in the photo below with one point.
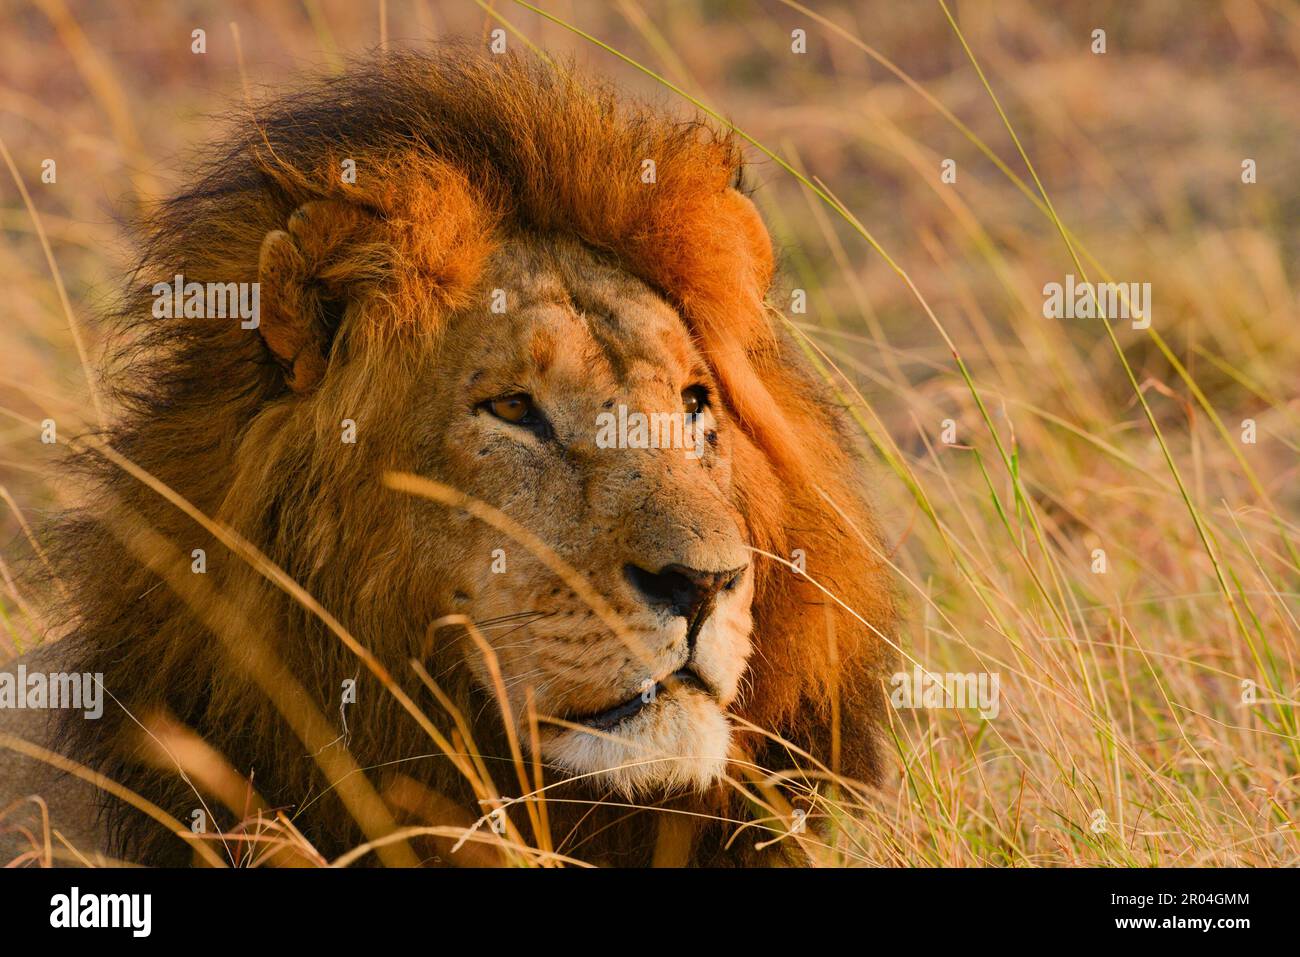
(513, 408)
(695, 399)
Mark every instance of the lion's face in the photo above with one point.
(532, 399)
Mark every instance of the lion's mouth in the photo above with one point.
(611, 718)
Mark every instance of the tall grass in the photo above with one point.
(1127, 733)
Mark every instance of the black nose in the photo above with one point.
(682, 590)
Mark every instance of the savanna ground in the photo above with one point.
(1147, 712)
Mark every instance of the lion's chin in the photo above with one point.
(677, 743)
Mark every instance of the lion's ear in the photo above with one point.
(308, 273)
(757, 240)
(397, 253)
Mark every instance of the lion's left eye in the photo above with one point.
(694, 399)
(516, 408)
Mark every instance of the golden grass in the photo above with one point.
(1123, 736)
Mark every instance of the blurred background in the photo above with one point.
(1122, 689)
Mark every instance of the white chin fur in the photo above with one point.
(677, 743)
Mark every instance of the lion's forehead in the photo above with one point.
(568, 315)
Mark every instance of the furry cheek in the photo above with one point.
(724, 646)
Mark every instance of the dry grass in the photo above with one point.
(1122, 692)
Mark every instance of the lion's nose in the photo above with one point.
(681, 589)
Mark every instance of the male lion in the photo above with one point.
(464, 263)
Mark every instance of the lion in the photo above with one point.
(463, 262)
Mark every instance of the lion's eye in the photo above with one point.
(516, 408)
(695, 399)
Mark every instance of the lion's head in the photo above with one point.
(518, 407)
(499, 277)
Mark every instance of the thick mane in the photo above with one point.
(450, 151)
